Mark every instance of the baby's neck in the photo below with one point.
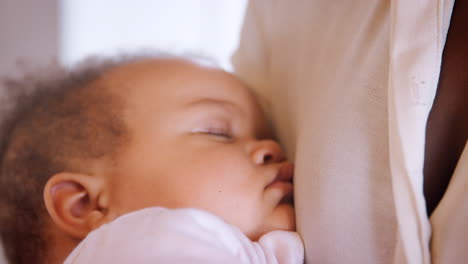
(60, 246)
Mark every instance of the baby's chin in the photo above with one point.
(283, 218)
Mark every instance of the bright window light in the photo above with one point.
(108, 27)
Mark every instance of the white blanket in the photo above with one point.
(159, 235)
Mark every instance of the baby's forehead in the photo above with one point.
(127, 78)
(164, 85)
(163, 67)
(168, 77)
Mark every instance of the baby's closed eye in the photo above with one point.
(217, 128)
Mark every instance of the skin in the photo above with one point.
(199, 139)
(447, 126)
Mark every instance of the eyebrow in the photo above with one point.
(228, 105)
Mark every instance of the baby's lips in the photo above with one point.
(285, 172)
(283, 181)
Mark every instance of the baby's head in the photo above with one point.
(149, 132)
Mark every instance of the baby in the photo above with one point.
(150, 160)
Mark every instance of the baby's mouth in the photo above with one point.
(285, 173)
(283, 181)
(288, 199)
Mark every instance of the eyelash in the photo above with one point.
(219, 132)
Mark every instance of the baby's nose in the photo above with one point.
(267, 151)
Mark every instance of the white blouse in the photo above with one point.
(349, 86)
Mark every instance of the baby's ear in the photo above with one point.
(76, 202)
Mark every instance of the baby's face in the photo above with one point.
(199, 139)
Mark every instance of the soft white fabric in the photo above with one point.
(159, 235)
(349, 86)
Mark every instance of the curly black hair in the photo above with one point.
(50, 122)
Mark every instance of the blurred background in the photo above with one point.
(33, 33)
